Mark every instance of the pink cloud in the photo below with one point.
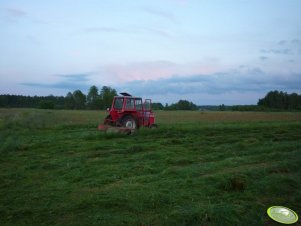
(155, 70)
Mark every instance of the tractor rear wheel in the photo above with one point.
(129, 122)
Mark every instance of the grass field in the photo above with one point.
(197, 168)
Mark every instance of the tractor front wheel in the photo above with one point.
(153, 126)
(108, 120)
(129, 122)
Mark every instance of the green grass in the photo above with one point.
(198, 168)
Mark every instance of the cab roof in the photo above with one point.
(126, 94)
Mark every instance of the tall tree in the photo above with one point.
(182, 105)
(79, 99)
(294, 101)
(93, 99)
(157, 106)
(107, 94)
(69, 101)
(4, 101)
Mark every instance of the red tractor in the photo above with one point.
(128, 113)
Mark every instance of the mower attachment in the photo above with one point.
(114, 129)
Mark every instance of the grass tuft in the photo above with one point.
(135, 149)
(235, 183)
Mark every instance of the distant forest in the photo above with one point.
(94, 100)
(101, 99)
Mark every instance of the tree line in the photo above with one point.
(281, 100)
(98, 99)
(273, 101)
(180, 105)
(95, 99)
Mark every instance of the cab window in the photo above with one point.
(118, 103)
(129, 103)
(138, 103)
(147, 105)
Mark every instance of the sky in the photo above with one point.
(209, 52)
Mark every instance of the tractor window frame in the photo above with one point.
(118, 103)
(138, 104)
(129, 104)
(147, 105)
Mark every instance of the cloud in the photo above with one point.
(155, 69)
(278, 51)
(181, 2)
(137, 30)
(263, 58)
(288, 42)
(138, 70)
(296, 41)
(218, 86)
(102, 30)
(16, 12)
(160, 32)
(159, 13)
(81, 77)
(282, 42)
(222, 83)
(58, 85)
(288, 47)
(68, 82)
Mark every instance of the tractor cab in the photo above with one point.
(130, 112)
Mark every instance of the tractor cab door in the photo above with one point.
(147, 111)
(139, 109)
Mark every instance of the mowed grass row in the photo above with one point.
(29, 118)
(211, 168)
